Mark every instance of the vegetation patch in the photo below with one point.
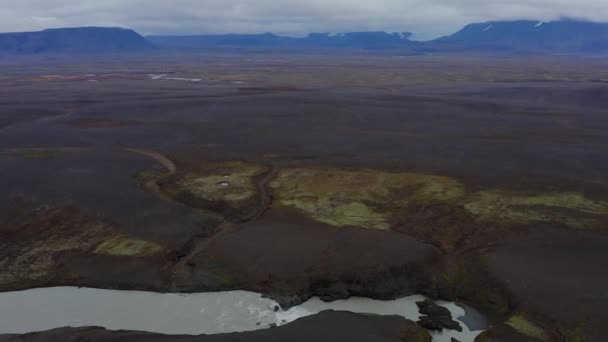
(571, 209)
(231, 182)
(37, 154)
(125, 246)
(28, 250)
(526, 327)
(433, 208)
(364, 198)
(573, 333)
(144, 177)
(270, 155)
(225, 186)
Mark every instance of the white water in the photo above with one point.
(164, 77)
(190, 314)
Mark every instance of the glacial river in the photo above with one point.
(190, 314)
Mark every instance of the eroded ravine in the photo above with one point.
(265, 192)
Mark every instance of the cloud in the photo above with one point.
(426, 18)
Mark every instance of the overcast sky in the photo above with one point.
(425, 18)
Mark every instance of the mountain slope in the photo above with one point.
(532, 36)
(522, 36)
(360, 40)
(74, 40)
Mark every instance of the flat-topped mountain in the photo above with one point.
(74, 40)
(563, 36)
(494, 37)
(530, 36)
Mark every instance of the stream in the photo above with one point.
(192, 314)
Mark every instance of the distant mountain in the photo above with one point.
(214, 41)
(521, 36)
(565, 36)
(359, 40)
(367, 40)
(495, 37)
(74, 40)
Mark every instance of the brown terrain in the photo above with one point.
(476, 180)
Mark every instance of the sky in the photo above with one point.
(425, 18)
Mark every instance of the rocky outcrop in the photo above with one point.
(436, 317)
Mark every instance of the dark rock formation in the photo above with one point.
(436, 317)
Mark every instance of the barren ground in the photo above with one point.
(471, 179)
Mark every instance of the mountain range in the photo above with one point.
(74, 40)
(362, 40)
(528, 36)
(521, 36)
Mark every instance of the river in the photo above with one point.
(190, 314)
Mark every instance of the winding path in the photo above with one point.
(160, 158)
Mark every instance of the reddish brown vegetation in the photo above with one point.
(102, 123)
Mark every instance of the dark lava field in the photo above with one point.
(482, 181)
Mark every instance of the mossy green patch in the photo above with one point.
(364, 198)
(270, 155)
(146, 176)
(341, 214)
(231, 183)
(32, 246)
(37, 154)
(526, 327)
(436, 208)
(124, 246)
(573, 333)
(572, 209)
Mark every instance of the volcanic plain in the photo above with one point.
(479, 180)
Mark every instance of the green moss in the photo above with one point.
(365, 198)
(572, 209)
(573, 334)
(270, 155)
(146, 176)
(435, 208)
(37, 154)
(526, 327)
(124, 246)
(230, 182)
(343, 214)
(49, 232)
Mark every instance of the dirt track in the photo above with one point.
(160, 158)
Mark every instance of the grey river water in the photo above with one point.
(190, 314)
